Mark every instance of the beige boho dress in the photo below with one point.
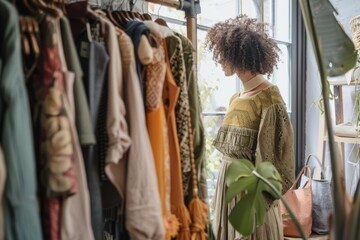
(256, 128)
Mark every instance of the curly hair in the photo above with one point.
(243, 43)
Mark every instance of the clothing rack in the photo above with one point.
(191, 9)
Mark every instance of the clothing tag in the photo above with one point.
(84, 49)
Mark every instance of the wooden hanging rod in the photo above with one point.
(168, 3)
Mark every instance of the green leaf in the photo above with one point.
(242, 178)
(259, 205)
(237, 169)
(336, 48)
(242, 216)
(268, 171)
(239, 186)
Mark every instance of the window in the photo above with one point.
(215, 88)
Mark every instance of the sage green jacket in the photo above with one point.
(22, 220)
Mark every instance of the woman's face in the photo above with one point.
(227, 68)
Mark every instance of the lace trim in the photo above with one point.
(233, 139)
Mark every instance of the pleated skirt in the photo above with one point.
(272, 228)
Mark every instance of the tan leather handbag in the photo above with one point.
(300, 201)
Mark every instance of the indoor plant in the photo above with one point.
(335, 55)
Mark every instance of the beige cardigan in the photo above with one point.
(142, 195)
(75, 215)
(133, 174)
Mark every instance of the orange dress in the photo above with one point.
(157, 130)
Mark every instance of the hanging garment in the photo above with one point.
(255, 128)
(76, 220)
(135, 29)
(154, 79)
(53, 141)
(158, 30)
(94, 61)
(2, 187)
(170, 96)
(157, 130)
(22, 219)
(177, 64)
(196, 120)
(142, 199)
(116, 125)
(82, 114)
(115, 165)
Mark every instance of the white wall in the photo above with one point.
(347, 9)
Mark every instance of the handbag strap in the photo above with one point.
(307, 168)
(312, 156)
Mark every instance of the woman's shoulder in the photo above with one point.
(271, 95)
(234, 96)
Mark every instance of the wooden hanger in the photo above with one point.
(147, 16)
(162, 22)
(47, 9)
(111, 17)
(29, 31)
(26, 5)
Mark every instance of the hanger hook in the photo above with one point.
(142, 6)
(161, 4)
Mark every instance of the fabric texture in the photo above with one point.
(256, 128)
(76, 218)
(196, 119)
(135, 29)
(170, 96)
(82, 113)
(154, 79)
(94, 61)
(177, 65)
(22, 220)
(116, 125)
(53, 141)
(142, 194)
(157, 130)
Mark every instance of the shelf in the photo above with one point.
(312, 237)
(344, 139)
(341, 83)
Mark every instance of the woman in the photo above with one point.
(256, 126)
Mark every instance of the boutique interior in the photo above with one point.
(179, 119)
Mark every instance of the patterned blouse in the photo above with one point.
(257, 128)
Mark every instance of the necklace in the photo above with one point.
(253, 83)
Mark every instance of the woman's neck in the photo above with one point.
(250, 80)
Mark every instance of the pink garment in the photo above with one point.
(75, 219)
(2, 186)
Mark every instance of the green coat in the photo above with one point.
(196, 119)
(22, 219)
